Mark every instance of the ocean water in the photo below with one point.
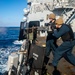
(8, 37)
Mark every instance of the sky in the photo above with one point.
(11, 12)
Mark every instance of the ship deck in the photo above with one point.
(64, 67)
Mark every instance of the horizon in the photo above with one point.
(11, 12)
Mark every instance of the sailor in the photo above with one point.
(66, 33)
(51, 40)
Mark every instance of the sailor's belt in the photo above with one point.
(69, 40)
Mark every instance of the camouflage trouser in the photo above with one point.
(64, 48)
(50, 47)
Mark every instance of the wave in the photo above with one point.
(18, 42)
